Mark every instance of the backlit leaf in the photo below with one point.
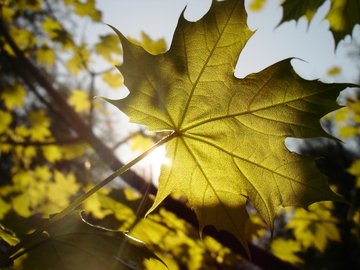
(227, 142)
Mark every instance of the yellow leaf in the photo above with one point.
(21, 205)
(256, 5)
(94, 206)
(316, 227)
(51, 27)
(255, 227)
(140, 143)
(334, 71)
(13, 96)
(45, 56)
(79, 99)
(80, 58)
(341, 114)
(226, 134)
(42, 173)
(62, 189)
(121, 211)
(52, 153)
(40, 124)
(6, 119)
(347, 132)
(355, 168)
(114, 80)
(86, 8)
(286, 250)
(7, 13)
(73, 151)
(152, 46)
(107, 46)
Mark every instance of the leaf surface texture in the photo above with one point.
(228, 134)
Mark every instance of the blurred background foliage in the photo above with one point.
(45, 163)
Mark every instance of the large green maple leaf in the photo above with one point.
(227, 144)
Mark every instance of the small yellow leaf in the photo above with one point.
(93, 204)
(13, 96)
(341, 114)
(52, 153)
(51, 27)
(355, 168)
(21, 205)
(152, 46)
(40, 124)
(140, 143)
(80, 58)
(42, 173)
(107, 46)
(7, 13)
(114, 80)
(286, 250)
(6, 119)
(79, 99)
(334, 71)
(45, 56)
(23, 38)
(73, 151)
(347, 131)
(256, 5)
(86, 8)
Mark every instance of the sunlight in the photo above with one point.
(155, 160)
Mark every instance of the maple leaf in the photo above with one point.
(315, 227)
(227, 142)
(79, 100)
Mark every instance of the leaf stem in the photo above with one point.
(8, 257)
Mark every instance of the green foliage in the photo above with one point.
(241, 124)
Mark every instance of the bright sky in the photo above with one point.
(270, 43)
(312, 43)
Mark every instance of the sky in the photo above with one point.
(311, 45)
